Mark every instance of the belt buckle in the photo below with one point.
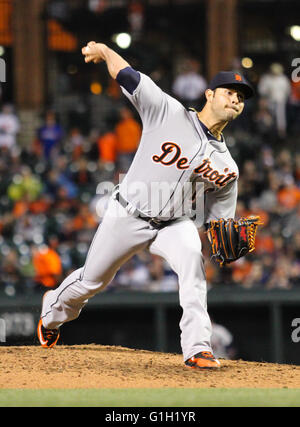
(154, 222)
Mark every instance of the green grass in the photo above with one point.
(149, 397)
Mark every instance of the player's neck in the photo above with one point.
(214, 126)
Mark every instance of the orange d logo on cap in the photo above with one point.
(238, 77)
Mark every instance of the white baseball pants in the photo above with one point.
(119, 236)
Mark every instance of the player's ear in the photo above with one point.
(209, 94)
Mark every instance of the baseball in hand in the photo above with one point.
(93, 52)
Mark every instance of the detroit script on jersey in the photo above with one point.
(171, 154)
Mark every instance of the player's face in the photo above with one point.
(227, 103)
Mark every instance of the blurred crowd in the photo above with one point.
(49, 206)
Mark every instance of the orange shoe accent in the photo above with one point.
(203, 360)
(47, 337)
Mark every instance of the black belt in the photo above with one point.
(155, 223)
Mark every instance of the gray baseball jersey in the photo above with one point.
(175, 149)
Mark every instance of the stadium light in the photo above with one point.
(123, 40)
(295, 32)
(247, 62)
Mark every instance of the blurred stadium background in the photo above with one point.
(64, 128)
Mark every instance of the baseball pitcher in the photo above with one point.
(178, 148)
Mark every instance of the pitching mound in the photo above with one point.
(95, 366)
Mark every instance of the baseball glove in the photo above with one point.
(232, 239)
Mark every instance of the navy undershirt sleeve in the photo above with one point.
(129, 79)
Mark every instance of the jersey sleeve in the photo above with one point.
(148, 99)
(221, 203)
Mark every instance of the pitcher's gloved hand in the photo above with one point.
(232, 239)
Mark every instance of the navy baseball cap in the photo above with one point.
(232, 79)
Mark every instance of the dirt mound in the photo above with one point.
(95, 366)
